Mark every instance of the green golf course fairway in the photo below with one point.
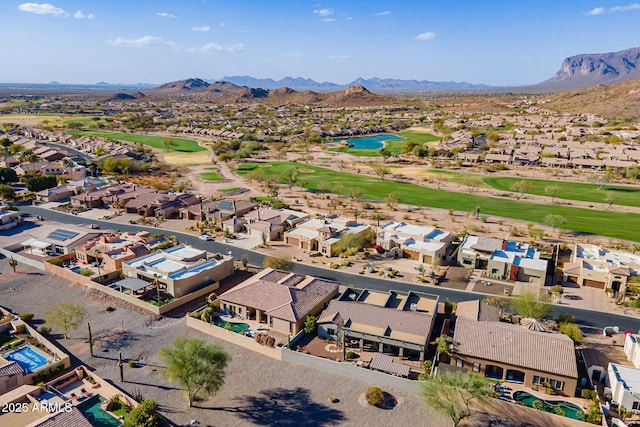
(606, 223)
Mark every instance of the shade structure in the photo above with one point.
(534, 324)
(384, 363)
(132, 283)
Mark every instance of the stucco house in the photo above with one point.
(180, 270)
(394, 322)
(322, 234)
(279, 299)
(503, 259)
(421, 243)
(513, 353)
(624, 382)
(598, 267)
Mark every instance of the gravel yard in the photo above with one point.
(257, 391)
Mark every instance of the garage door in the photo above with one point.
(426, 259)
(593, 284)
(571, 279)
(293, 242)
(411, 255)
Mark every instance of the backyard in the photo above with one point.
(589, 221)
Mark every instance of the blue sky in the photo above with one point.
(501, 42)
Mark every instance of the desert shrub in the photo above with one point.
(44, 330)
(375, 396)
(55, 261)
(26, 317)
(132, 363)
(352, 355)
(635, 303)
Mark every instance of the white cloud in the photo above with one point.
(338, 57)
(201, 29)
(41, 9)
(597, 11)
(216, 47)
(222, 24)
(328, 19)
(429, 35)
(603, 10)
(383, 13)
(323, 12)
(146, 41)
(295, 55)
(80, 15)
(166, 15)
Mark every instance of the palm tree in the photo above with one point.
(96, 253)
(377, 218)
(443, 343)
(157, 283)
(13, 264)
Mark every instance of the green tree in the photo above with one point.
(527, 305)
(573, 331)
(392, 200)
(66, 315)
(385, 153)
(8, 175)
(39, 183)
(198, 366)
(144, 415)
(310, 324)
(553, 191)
(451, 394)
(7, 192)
(443, 345)
(554, 221)
(290, 177)
(278, 263)
(380, 170)
(168, 143)
(521, 187)
(349, 244)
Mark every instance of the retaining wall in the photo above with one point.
(348, 369)
(234, 338)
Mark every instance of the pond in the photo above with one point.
(374, 142)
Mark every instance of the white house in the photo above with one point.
(625, 386)
(632, 349)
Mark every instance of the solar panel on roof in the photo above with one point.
(62, 235)
(225, 205)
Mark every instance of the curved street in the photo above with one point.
(583, 316)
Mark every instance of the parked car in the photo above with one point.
(205, 237)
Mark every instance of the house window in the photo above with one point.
(323, 250)
(331, 331)
(539, 380)
(635, 406)
(459, 363)
(467, 261)
(556, 384)
(495, 271)
(476, 367)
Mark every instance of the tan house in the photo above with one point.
(394, 322)
(322, 234)
(513, 353)
(279, 299)
(112, 249)
(597, 267)
(421, 243)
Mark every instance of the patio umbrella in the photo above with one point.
(534, 325)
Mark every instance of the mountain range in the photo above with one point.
(375, 84)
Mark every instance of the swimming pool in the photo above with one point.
(96, 416)
(76, 269)
(235, 327)
(28, 358)
(571, 410)
(370, 142)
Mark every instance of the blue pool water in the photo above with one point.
(76, 270)
(28, 358)
(235, 327)
(370, 142)
(96, 416)
(570, 410)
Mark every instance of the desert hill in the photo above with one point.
(230, 93)
(620, 100)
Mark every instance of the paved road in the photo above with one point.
(583, 316)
